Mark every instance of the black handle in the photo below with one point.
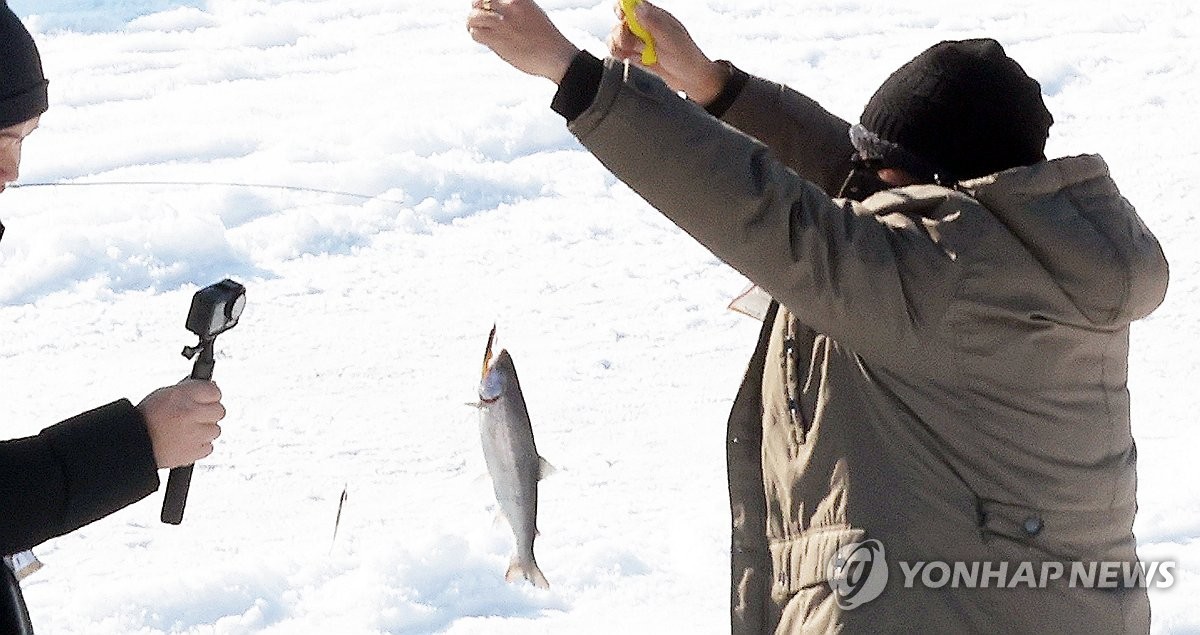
(179, 481)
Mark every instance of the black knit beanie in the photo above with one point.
(22, 85)
(965, 108)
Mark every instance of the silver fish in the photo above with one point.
(512, 458)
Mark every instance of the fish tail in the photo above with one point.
(529, 570)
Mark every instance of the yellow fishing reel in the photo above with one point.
(649, 56)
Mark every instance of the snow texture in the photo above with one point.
(430, 192)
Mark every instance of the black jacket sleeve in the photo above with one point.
(582, 79)
(578, 86)
(73, 473)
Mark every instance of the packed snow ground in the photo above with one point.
(368, 314)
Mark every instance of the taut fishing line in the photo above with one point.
(269, 186)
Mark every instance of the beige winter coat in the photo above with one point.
(946, 373)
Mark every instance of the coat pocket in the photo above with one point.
(1066, 535)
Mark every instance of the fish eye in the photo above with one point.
(491, 387)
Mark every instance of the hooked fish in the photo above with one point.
(512, 458)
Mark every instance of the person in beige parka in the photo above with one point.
(941, 376)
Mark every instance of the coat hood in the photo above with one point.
(1070, 216)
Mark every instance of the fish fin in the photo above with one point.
(528, 570)
(545, 468)
(474, 404)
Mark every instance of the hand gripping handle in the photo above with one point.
(180, 478)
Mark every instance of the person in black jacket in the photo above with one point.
(93, 464)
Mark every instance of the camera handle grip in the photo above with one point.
(180, 478)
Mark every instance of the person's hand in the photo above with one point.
(681, 63)
(182, 421)
(522, 35)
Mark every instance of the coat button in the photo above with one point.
(1032, 526)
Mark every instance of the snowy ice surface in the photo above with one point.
(451, 197)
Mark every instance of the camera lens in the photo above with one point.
(233, 310)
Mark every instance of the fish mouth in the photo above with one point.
(487, 366)
(487, 353)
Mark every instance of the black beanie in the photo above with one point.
(964, 107)
(22, 85)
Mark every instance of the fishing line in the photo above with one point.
(269, 186)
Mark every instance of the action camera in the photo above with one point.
(216, 309)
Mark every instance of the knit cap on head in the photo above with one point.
(965, 108)
(22, 85)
